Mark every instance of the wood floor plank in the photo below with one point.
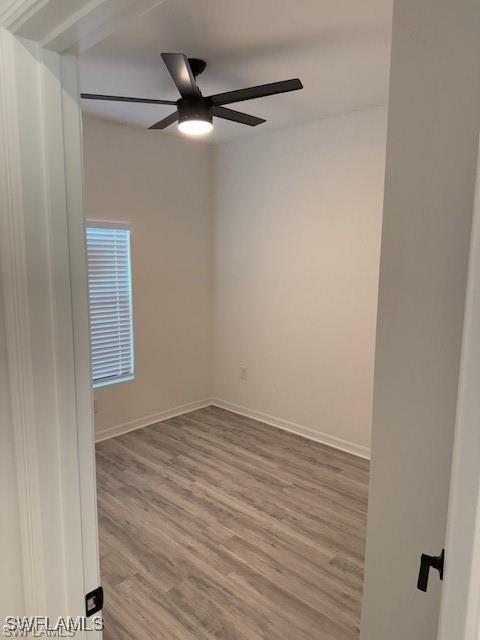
(216, 526)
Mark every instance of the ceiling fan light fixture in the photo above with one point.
(194, 116)
(195, 127)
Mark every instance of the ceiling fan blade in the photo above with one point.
(182, 74)
(236, 116)
(256, 92)
(166, 122)
(98, 96)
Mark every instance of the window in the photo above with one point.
(110, 302)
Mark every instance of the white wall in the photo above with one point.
(297, 243)
(296, 222)
(434, 119)
(162, 185)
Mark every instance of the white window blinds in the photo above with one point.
(110, 302)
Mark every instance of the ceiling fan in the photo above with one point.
(194, 112)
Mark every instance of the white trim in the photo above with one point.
(13, 275)
(300, 430)
(146, 421)
(36, 280)
(35, 202)
(62, 338)
(64, 25)
(13, 13)
(460, 605)
(73, 156)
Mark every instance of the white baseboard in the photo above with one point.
(146, 421)
(306, 432)
(300, 430)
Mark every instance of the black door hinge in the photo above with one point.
(94, 601)
(427, 563)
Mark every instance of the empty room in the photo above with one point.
(233, 265)
(239, 311)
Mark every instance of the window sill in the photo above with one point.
(107, 383)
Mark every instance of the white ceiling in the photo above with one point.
(338, 48)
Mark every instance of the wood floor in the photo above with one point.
(213, 525)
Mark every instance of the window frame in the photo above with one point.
(127, 226)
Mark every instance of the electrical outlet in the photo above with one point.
(243, 373)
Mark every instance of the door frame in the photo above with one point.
(460, 603)
(39, 327)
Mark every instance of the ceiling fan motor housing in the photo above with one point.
(194, 109)
(197, 66)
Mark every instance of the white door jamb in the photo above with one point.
(460, 605)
